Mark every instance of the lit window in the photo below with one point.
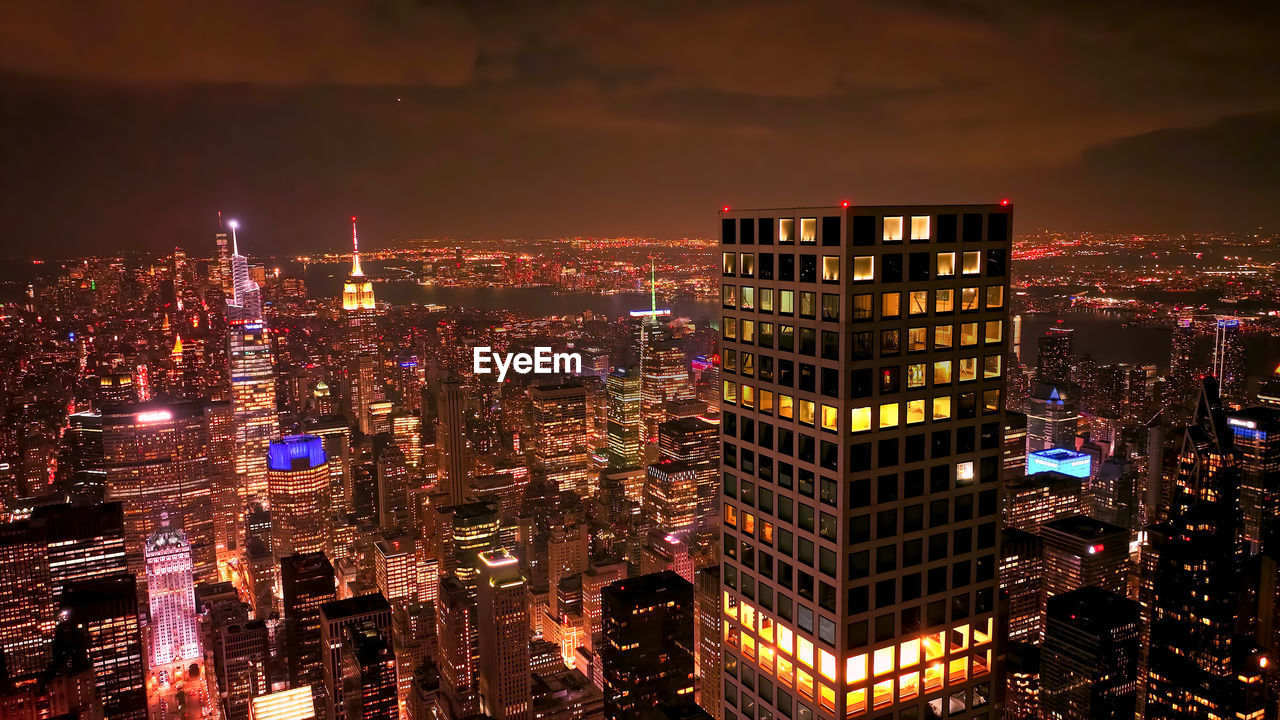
(942, 408)
(861, 306)
(748, 298)
(748, 396)
(918, 302)
(915, 411)
(827, 697)
(730, 263)
(995, 296)
(766, 533)
(766, 300)
(991, 401)
(730, 392)
(785, 406)
(766, 626)
(964, 473)
(766, 657)
(731, 516)
(889, 415)
(946, 264)
(729, 296)
(882, 694)
(748, 265)
(786, 671)
(933, 677)
(808, 230)
(766, 401)
(855, 669)
(830, 268)
(786, 231)
(882, 661)
(917, 339)
(804, 651)
(908, 686)
(909, 653)
(748, 647)
(729, 361)
(971, 263)
(804, 684)
(859, 420)
(941, 374)
(968, 299)
(893, 229)
(933, 648)
(748, 363)
(916, 376)
(748, 331)
(991, 366)
(958, 670)
(919, 227)
(890, 304)
(944, 300)
(968, 334)
(748, 526)
(942, 337)
(785, 638)
(864, 268)
(730, 328)
(994, 331)
(830, 418)
(855, 702)
(827, 665)
(806, 413)
(748, 616)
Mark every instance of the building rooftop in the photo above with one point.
(1084, 527)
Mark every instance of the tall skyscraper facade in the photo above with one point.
(337, 620)
(1089, 664)
(105, 610)
(861, 426)
(298, 481)
(624, 422)
(560, 434)
(253, 382)
(307, 582)
(360, 316)
(664, 374)
(171, 595)
(1228, 359)
(451, 440)
(1053, 364)
(502, 602)
(647, 652)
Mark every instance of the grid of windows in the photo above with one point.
(860, 456)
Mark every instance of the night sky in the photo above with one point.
(128, 124)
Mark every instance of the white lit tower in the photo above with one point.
(252, 370)
(223, 240)
(359, 314)
(1228, 359)
(171, 592)
(664, 367)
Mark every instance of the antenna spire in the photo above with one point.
(653, 291)
(235, 245)
(355, 249)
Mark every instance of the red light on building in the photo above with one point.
(844, 203)
(724, 209)
(1004, 201)
(1095, 549)
(715, 358)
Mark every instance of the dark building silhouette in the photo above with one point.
(106, 611)
(1089, 664)
(336, 619)
(307, 582)
(369, 673)
(648, 645)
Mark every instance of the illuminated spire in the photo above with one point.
(177, 346)
(653, 289)
(355, 250)
(235, 247)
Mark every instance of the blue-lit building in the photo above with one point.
(1067, 462)
(298, 487)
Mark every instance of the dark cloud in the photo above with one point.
(131, 122)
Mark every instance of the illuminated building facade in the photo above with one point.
(459, 649)
(1036, 499)
(253, 382)
(1079, 551)
(1228, 359)
(360, 316)
(861, 412)
(1053, 363)
(1067, 462)
(395, 569)
(560, 434)
(475, 530)
(451, 441)
(369, 673)
(671, 497)
(1256, 437)
(27, 609)
(706, 589)
(502, 602)
(298, 482)
(695, 442)
(171, 595)
(664, 374)
(294, 704)
(624, 421)
(1053, 416)
(106, 611)
(647, 653)
(337, 619)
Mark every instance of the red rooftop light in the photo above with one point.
(844, 203)
(1004, 201)
(724, 209)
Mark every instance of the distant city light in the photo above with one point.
(1067, 462)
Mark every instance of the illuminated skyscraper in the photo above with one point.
(451, 441)
(707, 630)
(695, 442)
(171, 594)
(369, 673)
(459, 652)
(625, 423)
(871, 418)
(502, 610)
(475, 530)
(560, 434)
(106, 611)
(671, 497)
(394, 569)
(337, 619)
(1182, 362)
(298, 481)
(1055, 355)
(360, 315)
(1089, 663)
(1079, 551)
(1053, 416)
(664, 374)
(27, 609)
(253, 382)
(307, 582)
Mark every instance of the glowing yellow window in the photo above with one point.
(786, 230)
(864, 268)
(981, 637)
(830, 418)
(889, 415)
(915, 411)
(766, 401)
(942, 408)
(766, 533)
(941, 373)
(855, 702)
(730, 392)
(972, 261)
(808, 230)
(958, 670)
(748, 647)
(731, 635)
(766, 658)
(942, 337)
(991, 366)
(915, 375)
(982, 663)
(882, 661)
(917, 339)
(830, 268)
(968, 299)
(804, 651)
(933, 677)
(890, 304)
(994, 331)
(908, 686)
(968, 334)
(933, 647)
(806, 413)
(766, 628)
(968, 369)
(730, 263)
(859, 420)
(991, 400)
(944, 300)
(785, 406)
(827, 697)
(959, 636)
(786, 671)
(893, 229)
(748, 396)
(804, 683)
(748, 615)
(946, 264)
(964, 475)
(827, 665)
(785, 639)
(882, 694)
(748, 523)
(919, 227)
(731, 516)
(918, 302)
(855, 669)
(748, 331)
(730, 605)
(908, 653)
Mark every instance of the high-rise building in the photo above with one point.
(1036, 499)
(1022, 581)
(459, 649)
(252, 373)
(1014, 464)
(1228, 359)
(647, 653)
(27, 609)
(292, 704)
(369, 673)
(1256, 438)
(360, 316)
(336, 433)
(664, 374)
(83, 542)
(502, 612)
(625, 424)
(1204, 658)
(706, 596)
(671, 497)
(337, 619)
(395, 569)
(171, 596)
(1089, 663)
(560, 434)
(1053, 363)
(307, 582)
(106, 611)
(1022, 689)
(298, 482)
(695, 442)
(451, 441)
(474, 530)
(242, 652)
(877, 339)
(1053, 416)
(1079, 551)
